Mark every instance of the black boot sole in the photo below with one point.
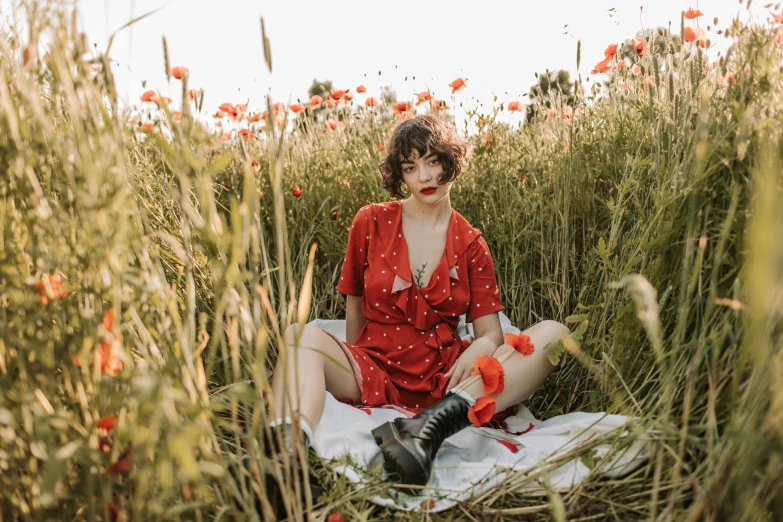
(399, 461)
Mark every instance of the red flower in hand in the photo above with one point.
(492, 374)
(520, 343)
(481, 412)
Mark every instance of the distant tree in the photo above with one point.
(551, 86)
(321, 88)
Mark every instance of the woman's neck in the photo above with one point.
(429, 216)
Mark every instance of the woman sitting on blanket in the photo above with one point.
(413, 266)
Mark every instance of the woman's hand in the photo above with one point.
(463, 366)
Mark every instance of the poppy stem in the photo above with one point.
(473, 378)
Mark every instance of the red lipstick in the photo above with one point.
(428, 190)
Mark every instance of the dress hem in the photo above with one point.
(357, 372)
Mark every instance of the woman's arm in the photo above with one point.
(354, 318)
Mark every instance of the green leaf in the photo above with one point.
(590, 459)
(554, 351)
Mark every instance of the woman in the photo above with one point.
(412, 268)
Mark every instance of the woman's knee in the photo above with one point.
(555, 329)
(304, 343)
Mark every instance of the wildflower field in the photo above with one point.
(151, 256)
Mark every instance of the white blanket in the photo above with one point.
(558, 453)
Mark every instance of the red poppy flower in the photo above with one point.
(458, 85)
(55, 284)
(108, 359)
(149, 96)
(406, 116)
(481, 412)
(516, 106)
(423, 97)
(636, 69)
(107, 423)
(315, 101)
(255, 164)
(255, 118)
(426, 505)
(509, 445)
(440, 105)
(401, 107)
(640, 46)
(176, 115)
(729, 76)
(194, 93)
(492, 373)
(106, 356)
(348, 96)
(336, 94)
(603, 66)
(334, 125)
(336, 517)
(360, 89)
(123, 465)
(225, 136)
(148, 127)
(568, 112)
(610, 51)
(297, 191)
(692, 13)
(370, 102)
(776, 18)
(296, 108)
(228, 108)
(520, 343)
(165, 99)
(246, 134)
(697, 34)
(180, 71)
(487, 139)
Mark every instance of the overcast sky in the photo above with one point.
(497, 45)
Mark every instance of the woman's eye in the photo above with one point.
(434, 161)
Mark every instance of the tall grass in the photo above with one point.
(676, 178)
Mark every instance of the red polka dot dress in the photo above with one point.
(410, 340)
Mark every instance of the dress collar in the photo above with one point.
(388, 216)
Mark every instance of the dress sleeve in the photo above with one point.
(352, 274)
(484, 292)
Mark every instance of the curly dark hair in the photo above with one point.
(416, 134)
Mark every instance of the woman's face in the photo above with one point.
(421, 174)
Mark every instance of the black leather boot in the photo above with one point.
(409, 445)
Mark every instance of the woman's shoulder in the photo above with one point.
(374, 209)
(463, 226)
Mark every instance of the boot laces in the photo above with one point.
(442, 423)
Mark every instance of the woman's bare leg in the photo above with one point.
(524, 374)
(322, 365)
